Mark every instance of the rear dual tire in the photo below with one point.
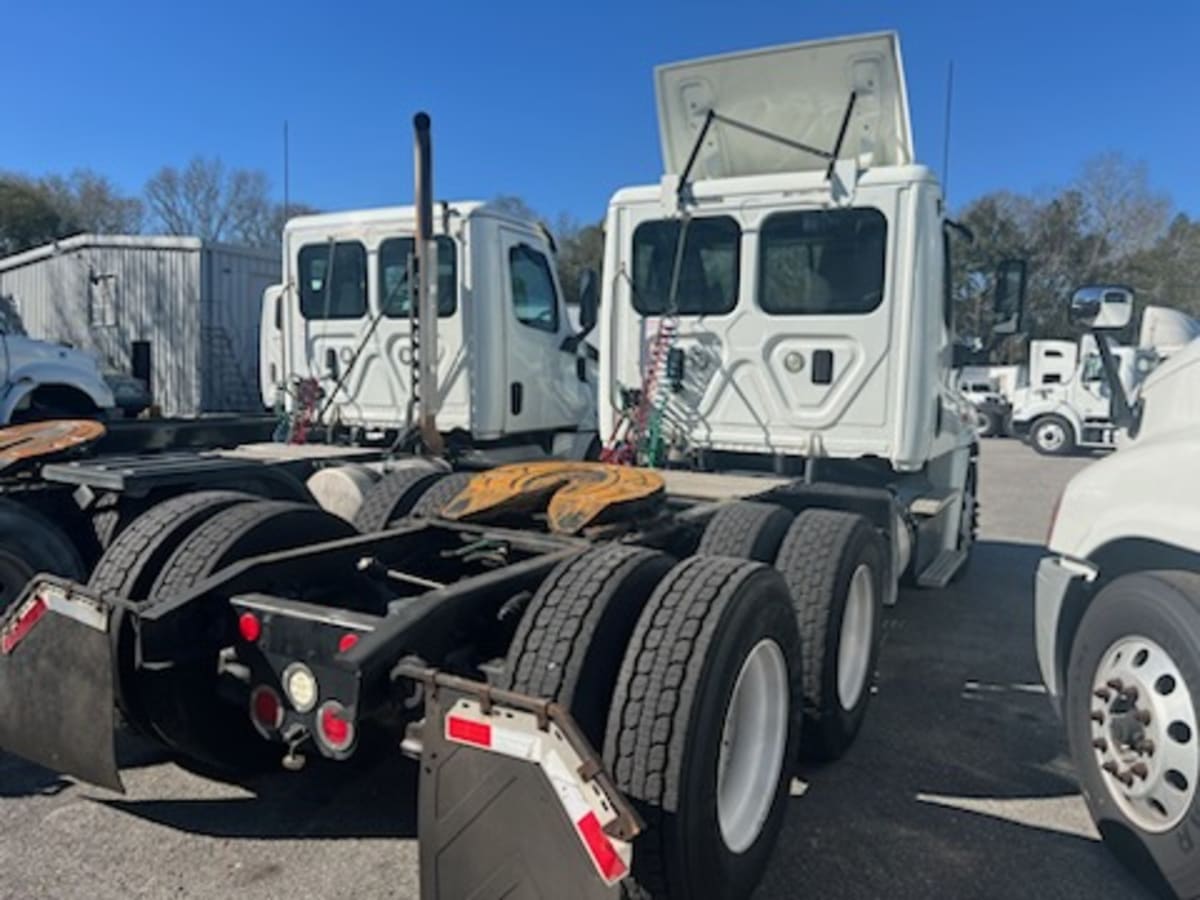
(703, 728)
(689, 677)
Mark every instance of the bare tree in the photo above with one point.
(212, 202)
(91, 202)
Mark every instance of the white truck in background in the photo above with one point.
(1066, 403)
(1118, 616)
(514, 377)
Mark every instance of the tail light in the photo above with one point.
(347, 642)
(266, 710)
(249, 627)
(335, 728)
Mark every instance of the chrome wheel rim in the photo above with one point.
(1143, 733)
(854, 642)
(753, 740)
(1050, 436)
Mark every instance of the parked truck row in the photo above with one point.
(608, 667)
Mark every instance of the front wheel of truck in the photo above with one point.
(1131, 715)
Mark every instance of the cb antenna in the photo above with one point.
(946, 135)
(286, 204)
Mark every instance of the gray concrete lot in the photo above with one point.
(958, 787)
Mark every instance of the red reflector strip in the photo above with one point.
(16, 632)
(604, 854)
(468, 732)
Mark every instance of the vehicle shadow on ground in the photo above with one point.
(324, 800)
(959, 785)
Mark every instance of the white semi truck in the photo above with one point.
(1067, 401)
(1118, 620)
(609, 668)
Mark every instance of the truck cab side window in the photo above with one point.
(534, 298)
(337, 294)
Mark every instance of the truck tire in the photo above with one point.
(703, 728)
(1052, 436)
(968, 520)
(572, 636)
(436, 495)
(132, 561)
(1133, 689)
(745, 530)
(113, 513)
(833, 563)
(988, 423)
(31, 543)
(182, 702)
(393, 496)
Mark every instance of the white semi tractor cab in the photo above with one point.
(1118, 623)
(1067, 403)
(780, 302)
(511, 369)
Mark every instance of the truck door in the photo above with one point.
(543, 391)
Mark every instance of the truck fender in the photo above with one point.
(27, 379)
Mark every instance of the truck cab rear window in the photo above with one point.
(708, 268)
(394, 291)
(822, 262)
(333, 292)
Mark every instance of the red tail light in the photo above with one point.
(335, 727)
(249, 627)
(266, 709)
(347, 642)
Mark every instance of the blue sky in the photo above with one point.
(554, 102)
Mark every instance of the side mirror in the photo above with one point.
(589, 301)
(1103, 307)
(1008, 304)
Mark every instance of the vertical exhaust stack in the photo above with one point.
(426, 272)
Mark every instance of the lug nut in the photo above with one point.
(1141, 770)
(1145, 746)
(1143, 716)
(1131, 693)
(1116, 684)
(1100, 744)
(1111, 768)
(1102, 694)
(1097, 716)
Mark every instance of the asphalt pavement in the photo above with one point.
(959, 785)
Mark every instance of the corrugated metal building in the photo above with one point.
(176, 311)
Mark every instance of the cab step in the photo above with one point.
(939, 572)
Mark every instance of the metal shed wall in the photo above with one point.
(196, 304)
(232, 282)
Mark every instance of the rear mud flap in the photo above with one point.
(501, 818)
(56, 683)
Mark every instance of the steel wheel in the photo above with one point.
(1144, 733)
(753, 740)
(1050, 436)
(854, 643)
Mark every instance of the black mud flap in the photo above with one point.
(56, 682)
(500, 802)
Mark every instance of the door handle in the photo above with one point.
(331, 362)
(822, 367)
